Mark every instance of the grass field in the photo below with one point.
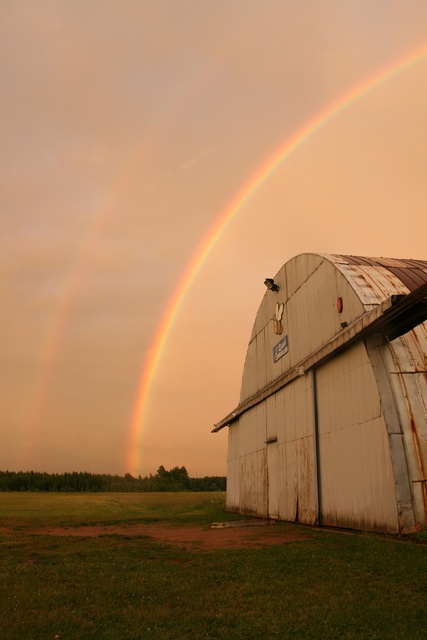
(130, 587)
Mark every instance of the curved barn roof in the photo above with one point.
(382, 295)
(375, 279)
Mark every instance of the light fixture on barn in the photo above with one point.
(271, 285)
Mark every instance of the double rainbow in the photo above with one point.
(224, 219)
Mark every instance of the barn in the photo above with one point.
(331, 426)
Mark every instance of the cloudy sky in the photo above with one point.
(127, 129)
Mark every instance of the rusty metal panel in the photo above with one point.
(306, 452)
(253, 484)
(276, 439)
(356, 478)
(277, 463)
(292, 491)
(247, 463)
(373, 284)
(307, 485)
(411, 273)
(415, 343)
(365, 292)
(406, 360)
(272, 480)
(378, 351)
(295, 487)
(288, 502)
(384, 282)
(402, 263)
(282, 489)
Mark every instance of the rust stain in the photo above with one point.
(415, 438)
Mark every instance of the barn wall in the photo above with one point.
(296, 458)
(233, 487)
(246, 475)
(311, 311)
(405, 360)
(344, 444)
(308, 287)
(356, 476)
(276, 479)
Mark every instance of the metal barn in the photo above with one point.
(331, 427)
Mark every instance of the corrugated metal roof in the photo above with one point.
(412, 273)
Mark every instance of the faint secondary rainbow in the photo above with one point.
(226, 217)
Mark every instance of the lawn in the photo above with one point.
(132, 587)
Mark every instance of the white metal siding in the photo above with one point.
(262, 356)
(247, 472)
(309, 288)
(371, 403)
(408, 375)
(233, 488)
(291, 461)
(312, 313)
(299, 269)
(253, 484)
(356, 477)
(250, 377)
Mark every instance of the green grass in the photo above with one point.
(23, 510)
(329, 585)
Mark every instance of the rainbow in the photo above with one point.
(50, 346)
(226, 217)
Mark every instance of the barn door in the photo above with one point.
(272, 480)
(357, 488)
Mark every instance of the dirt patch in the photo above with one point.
(190, 536)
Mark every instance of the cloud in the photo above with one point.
(201, 155)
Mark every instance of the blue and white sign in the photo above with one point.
(280, 349)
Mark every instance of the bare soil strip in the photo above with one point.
(188, 536)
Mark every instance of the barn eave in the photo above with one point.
(392, 317)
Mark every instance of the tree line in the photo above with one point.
(176, 479)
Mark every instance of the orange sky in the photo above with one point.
(127, 129)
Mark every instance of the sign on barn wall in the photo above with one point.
(280, 349)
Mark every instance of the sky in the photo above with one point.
(128, 130)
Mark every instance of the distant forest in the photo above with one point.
(177, 479)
